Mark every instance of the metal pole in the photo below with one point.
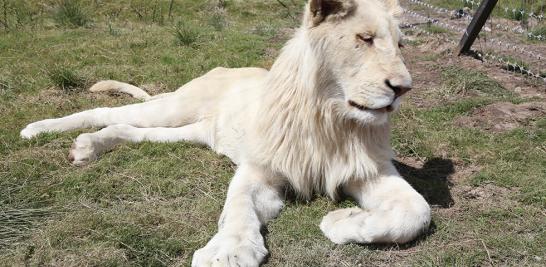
(475, 26)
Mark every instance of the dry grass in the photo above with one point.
(154, 204)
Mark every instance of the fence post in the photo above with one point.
(475, 26)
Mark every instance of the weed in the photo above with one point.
(71, 13)
(185, 34)
(65, 78)
(113, 31)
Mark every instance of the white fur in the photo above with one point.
(289, 126)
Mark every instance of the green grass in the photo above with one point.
(65, 78)
(185, 34)
(464, 81)
(155, 204)
(71, 13)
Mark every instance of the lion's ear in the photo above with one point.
(319, 10)
(394, 8)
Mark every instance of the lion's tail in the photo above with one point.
(115, 86)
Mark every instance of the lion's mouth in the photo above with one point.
(363, 108)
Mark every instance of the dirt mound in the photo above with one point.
(503, 116)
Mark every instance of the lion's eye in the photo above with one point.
(365, 38)
(401, 45)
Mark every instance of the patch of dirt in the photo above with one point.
(156, 88)
(425, 73)
(502, 116)
(437, 179)
(485, 192)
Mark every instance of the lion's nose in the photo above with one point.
(397, 89)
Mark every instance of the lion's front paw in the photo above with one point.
(83, 151)
(240, 250)
(34, 129)
(344, 225)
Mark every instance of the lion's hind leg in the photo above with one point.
(172, 111)
(391, 212)
(89, 146)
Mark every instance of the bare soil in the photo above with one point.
(503, 116)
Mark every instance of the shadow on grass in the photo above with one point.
(431, 180)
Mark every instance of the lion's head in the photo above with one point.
(359, 42)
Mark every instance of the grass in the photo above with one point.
(538, 31)
(435, 29)
(65, 78)
(155, 204)
(464, 81)
(218, 19)
(185, 34)
(71, 13)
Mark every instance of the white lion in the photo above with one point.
(317, 121)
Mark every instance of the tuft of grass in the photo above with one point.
(71, 13)
(466, 80)
(65, 78)
(185, 34)
(519, 14)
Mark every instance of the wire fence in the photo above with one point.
(512, 11)
(502, 42)
(464, 14)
